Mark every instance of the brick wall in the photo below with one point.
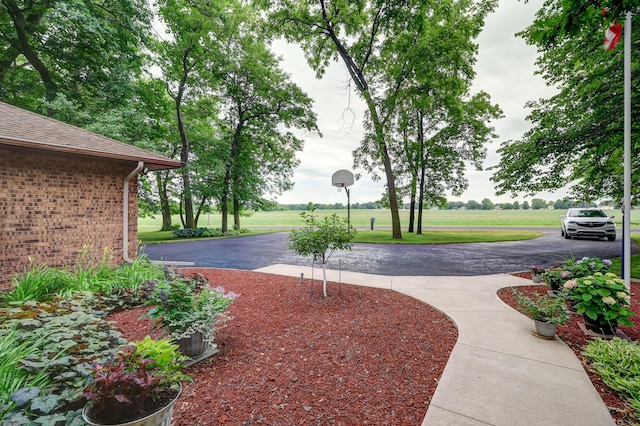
(51, 206)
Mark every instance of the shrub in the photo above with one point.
(586, 266)
(603, 298)
(184, 306)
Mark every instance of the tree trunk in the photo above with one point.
(182, 210)
(421, 201)
(165, 207)
(184, 152)
(422, 169)
(324, 279)
(186, 179)
(22, 32)
(412, 203)
(228, 176)
(236, 213)
(224, 210)
(383, 154)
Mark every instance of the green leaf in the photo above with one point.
(46, 403)
(593, 314)
(25, 395)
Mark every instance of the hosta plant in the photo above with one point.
(617, 361)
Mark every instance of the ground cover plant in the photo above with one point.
(55, 344)
(52, 330)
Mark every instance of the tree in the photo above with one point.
(196, 33)
(473, 205)
(516, 205)
(562, 204)
(577, 135)
(382, 45)
(321, 238)
(260, 105)
(65, 47)
(449, 131)
(487, 204)
(525, 205)
(538, 203)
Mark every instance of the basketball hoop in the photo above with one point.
(342, 179)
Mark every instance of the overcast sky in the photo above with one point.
(505, 69)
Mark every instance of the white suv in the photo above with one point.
(587, 222)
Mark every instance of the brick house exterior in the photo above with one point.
(61, 188)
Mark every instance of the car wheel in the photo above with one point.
(612, 238)
(561, 232)
(567, 236)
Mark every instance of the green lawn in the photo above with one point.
(362, 218)
(444, 237)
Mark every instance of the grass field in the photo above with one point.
(362, 218)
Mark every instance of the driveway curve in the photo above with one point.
(253, 252)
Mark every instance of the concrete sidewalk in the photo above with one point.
(498, 372)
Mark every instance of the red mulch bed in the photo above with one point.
(574, 337)
(363, 356)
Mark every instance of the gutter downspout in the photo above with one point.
(125, 212)
(125, 222)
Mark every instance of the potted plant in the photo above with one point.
(603, 300)
(536, 273)
(555, 277)
(188, 310)
(138, 386)
(547, 312)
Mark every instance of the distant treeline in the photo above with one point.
(485, 204)
(337, 206)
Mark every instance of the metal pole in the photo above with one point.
(348, 208)
(626, 226)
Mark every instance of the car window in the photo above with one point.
(588, 213)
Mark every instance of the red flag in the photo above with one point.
(612, 35)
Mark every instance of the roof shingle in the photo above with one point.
(21, 128)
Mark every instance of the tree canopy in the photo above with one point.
(389, 49)
(577, 135)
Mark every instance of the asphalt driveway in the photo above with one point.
(258, 251)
